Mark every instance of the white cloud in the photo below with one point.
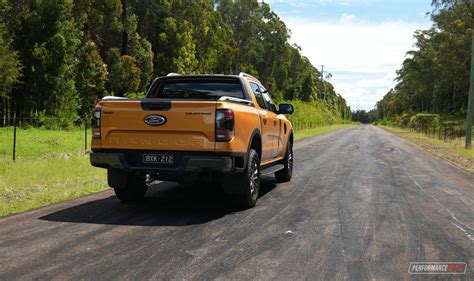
(345, 18)
(362, 56)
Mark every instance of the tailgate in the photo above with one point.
(135, 124)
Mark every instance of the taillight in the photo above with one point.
(96, 114)
(224, 124)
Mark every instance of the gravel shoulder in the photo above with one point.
(448, 151)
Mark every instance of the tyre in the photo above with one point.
(246, 183)
(285, 174)
(131, 188)
(130, 194)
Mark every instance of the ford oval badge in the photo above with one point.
(155, 120)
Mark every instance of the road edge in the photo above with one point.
(431, 152)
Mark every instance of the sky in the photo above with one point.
(360, 42)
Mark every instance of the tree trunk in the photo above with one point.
(453, 103)
(124, 50)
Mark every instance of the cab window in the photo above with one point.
(197, 89)
(268, 101)
(258, 95)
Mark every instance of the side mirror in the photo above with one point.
(268, 88)
(285, 108)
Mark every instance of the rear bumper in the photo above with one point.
(185, 162)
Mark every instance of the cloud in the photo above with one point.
(345, 18)
(362, 56)
(364, 92)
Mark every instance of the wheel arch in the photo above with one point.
(291, 137)
(255, 142)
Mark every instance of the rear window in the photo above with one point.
(198, 89)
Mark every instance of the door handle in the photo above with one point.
(274, 122)
(264, 121)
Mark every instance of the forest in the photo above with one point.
(434, 77)
(59, 56)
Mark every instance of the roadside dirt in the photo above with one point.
(440, 151)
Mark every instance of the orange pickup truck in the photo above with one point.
(221, 129)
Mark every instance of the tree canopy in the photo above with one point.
(435, 76)
(60, 56)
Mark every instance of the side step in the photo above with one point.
(272, 169)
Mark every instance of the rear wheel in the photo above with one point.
(132, 193)
(247, 183)
(127, 186)
(285, 174)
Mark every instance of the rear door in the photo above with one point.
(266, 120)
(276, 122)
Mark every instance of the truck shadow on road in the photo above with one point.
(165, 204)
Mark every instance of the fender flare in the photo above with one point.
(290, 133)
(256, 132)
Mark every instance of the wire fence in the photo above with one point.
(450, 133)
(300, 126)
(24, 140)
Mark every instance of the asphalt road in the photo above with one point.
(362, 205)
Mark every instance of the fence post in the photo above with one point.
(14, 137)
(85, 133)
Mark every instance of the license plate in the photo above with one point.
(158, 158)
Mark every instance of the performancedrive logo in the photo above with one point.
(437, 268)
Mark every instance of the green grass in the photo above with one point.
(312, 114)
(34, 143)
(51, 166)
(301, 134)
(29, 184)
(314, 118)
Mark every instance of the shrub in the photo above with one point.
(404, 120)
(65, 115)
(422, 121)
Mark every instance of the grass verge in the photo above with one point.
(51, 167)
(26, 185)
(301, 134)
(38, 143)
(452, 150)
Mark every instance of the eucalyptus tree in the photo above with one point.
(47, 39)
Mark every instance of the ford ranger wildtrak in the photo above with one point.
(223, 129)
